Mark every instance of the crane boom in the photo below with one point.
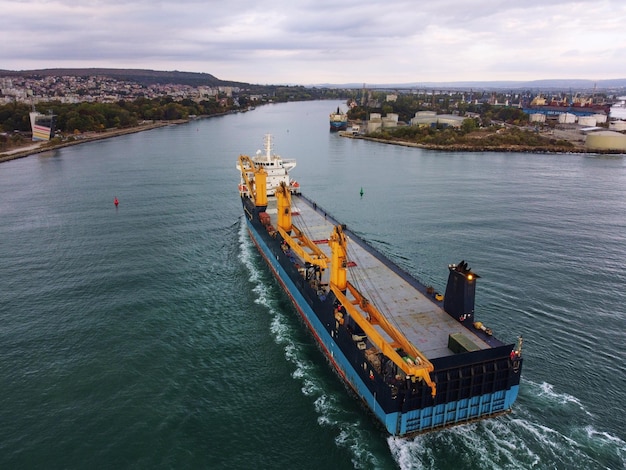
(298, 241)
(367, 315)
(418, 369)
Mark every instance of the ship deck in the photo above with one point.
(422, 320)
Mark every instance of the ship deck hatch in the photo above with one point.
(422, 321)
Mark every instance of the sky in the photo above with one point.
(323, 41)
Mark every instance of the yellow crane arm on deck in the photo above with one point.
(421, 368)
(257, 185)
(298, 241)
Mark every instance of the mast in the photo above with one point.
(268, 147)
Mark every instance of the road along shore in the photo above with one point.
(34, 148)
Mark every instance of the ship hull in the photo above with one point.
(336, 126)
(576, 110)
(338, 121)
(470, 386)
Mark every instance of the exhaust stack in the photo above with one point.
(460, 292)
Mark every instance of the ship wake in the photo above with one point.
(335, 411)
(517, 440)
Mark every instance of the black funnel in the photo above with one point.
(460, 292)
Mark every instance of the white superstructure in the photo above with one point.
(275, 166)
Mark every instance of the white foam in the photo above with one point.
(330, 414)
(411, 454)
(505, 442)
(246, 252)
(604, 437)
(546, 390)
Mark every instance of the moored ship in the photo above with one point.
(420, 360)
(579, 106)
(338, 120)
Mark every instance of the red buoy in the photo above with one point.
(116, 202)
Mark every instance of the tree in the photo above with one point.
(468, 125)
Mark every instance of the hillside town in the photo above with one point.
(101, 89)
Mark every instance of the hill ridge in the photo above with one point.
(142, 76)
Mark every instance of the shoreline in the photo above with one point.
(486, 148)
(34, 148)
(41, 147)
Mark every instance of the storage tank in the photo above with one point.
(537, 117)
(567, 118)
(450, 120)
(600, 118)
(390, 120)
(606, 140)
(587, 121)
(424, 118)
(373, 125)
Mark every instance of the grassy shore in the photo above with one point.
(34, 148)
(478, 147)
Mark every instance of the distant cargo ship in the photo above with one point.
(577, 105)
(42, 125)
(418, 359)
(338, 121)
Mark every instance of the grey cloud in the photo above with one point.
(268, 40)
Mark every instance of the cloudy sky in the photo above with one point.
(323, 41)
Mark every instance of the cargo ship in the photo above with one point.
(578, 106)
(338, 121)
(419, 360)
(42, 125)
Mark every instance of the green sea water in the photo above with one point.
(151, 335)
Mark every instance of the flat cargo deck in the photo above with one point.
(421, 319)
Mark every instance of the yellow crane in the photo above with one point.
(293, 236)
(415, 365)
(255, 179)
(366, 315)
